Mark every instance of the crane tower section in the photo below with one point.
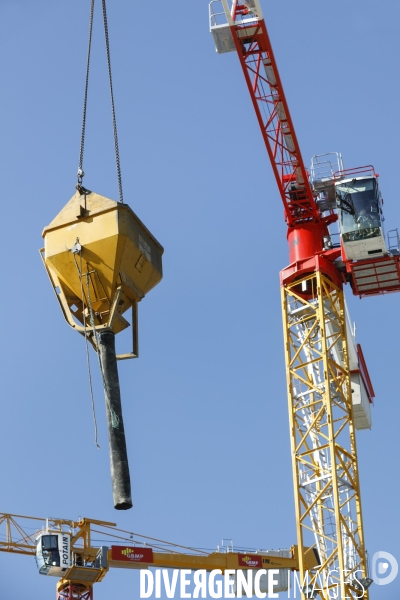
(322, 431)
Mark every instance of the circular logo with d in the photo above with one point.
(384, 568)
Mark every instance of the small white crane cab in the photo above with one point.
(359, 204)
(53, 554)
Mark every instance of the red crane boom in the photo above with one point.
(262, 77)
(306, 225)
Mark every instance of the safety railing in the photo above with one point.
(217, 16)
(393, 241)
(324, 166)
(364, 171)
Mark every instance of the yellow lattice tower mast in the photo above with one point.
(323, 441)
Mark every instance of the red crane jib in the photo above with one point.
(306, 226)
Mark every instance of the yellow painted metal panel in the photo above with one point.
(95, 248)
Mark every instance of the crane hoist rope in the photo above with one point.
(81, 173)
(82, 146)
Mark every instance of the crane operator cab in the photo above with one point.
(359, 205)
(53, 553)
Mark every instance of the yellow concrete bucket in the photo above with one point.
(101, 261)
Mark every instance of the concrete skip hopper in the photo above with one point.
(101, 260)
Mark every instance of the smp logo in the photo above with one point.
(249, 561)
(130, 553)
(384, 568)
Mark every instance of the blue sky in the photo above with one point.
(204, 406)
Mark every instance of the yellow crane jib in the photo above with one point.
(101, 261)
(66, 549)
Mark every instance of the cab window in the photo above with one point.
(50, 542)
(359, 209)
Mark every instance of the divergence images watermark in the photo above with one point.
(241, 580)
(264, 583)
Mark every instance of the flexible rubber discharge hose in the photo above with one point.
(120, 477)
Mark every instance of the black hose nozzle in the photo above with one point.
(120, 477)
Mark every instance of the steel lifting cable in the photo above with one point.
(121, 198)
(82, 147)
(114, 120)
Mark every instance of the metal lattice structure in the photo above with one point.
(323, 443)
(75, 592)
(250, 37)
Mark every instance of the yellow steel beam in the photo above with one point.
(215, 560)
(19, 541)
(324, 455)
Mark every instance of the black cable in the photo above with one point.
(114, 121)
(117, 160)
(82, 147)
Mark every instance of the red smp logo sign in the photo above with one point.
(250, 561)
(132, 554)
